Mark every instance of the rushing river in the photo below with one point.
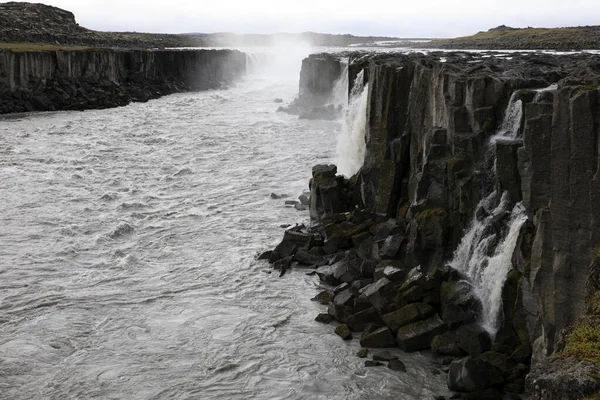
(128, 240)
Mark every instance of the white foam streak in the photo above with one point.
(511, 122)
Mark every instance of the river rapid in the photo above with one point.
(128, 245)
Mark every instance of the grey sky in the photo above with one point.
(439, 18)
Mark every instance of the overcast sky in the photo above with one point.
(419, 18)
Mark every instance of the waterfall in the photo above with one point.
(339, 94)
(512, 118)
(351, 142)
(485, 253)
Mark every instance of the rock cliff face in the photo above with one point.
(77, 80)
(444, 133)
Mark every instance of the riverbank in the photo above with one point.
(477, 249)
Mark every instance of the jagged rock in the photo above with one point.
(379, 338)
(501, 361)
(361, 303)
(327, 275)
(370, 363)
(362, 353)
(344, 298)
(391, 247)
(305, 258)
(564, 379)
(446, 344)
(397, 365)
(418, 335)
(348, 270)
(473, 339)
(339, 312)
(344, 332)
(359, 321)
(472, 374)
(384, 356)
(380, 294)
(407, 315)
(323, 297)
(459, 304)
(324, 318)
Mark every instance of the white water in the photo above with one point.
(485, 259)
(127, 264)
(340, 87)
(351, 143)
(511, 123)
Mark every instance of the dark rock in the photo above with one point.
(327, 275)
(379, 338)
(266, 255)
(472, 374)
(276, 196)
(459, 304)
(344, 332)
(323, 297)
(324, 318)
(501, 361)
(407, 315)
(391, 247)
(397, 365)
(380, 294)
(418, 335)
(338, 312)
(384, 356)
(347, 270)
(361, 303)
(473, 339)
(564, 379)
(362, 353)
(446, 344)
(303, 257)
(359, 321)
(370, 363)
(344, 298)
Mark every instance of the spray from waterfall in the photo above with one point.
(351, 144)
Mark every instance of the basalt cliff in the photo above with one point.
(471, 228)
(88, 79)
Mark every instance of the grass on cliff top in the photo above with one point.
(41, 47)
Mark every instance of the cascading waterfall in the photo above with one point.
(351, 143)
(340, 87)
(512, 118)
(484, 254)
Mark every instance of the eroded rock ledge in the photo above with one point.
(88, 79)
(382, 239)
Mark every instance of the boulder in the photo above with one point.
(362, 353)
(458, 303)
(304, 257)
(358, 322)
(472, 374)
(446, 344)
(344, 332)
(384, 356)
(344, 298)
(418, 335)
(397, 365)
(327, 275)
(324, 318)
(391, 247)
(370, 363)
(407, 315)
(379, 338)
(380, 294)
(338, 312)
(347, 270)
(323, 297)
(473, 339)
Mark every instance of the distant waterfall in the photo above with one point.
(339, 93)
(512, 118)
(351, 142)
(485, 252)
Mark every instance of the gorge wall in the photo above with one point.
(454, 141)
(87, 79)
